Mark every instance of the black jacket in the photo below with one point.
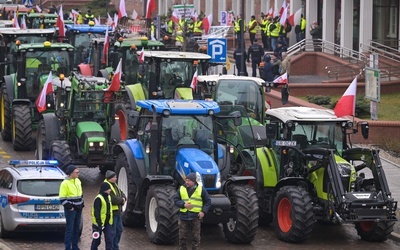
(256, 52)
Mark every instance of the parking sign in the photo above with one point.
(216, 48)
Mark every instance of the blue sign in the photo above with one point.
(216, 48)
(224, 18)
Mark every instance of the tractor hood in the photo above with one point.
(55, 81)
(91, 137)
(194, 160)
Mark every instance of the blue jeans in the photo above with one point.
(108, 236)
(274, 41)
(117, 230)
(73, 219)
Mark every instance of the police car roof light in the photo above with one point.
(34, 162)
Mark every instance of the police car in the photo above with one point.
(29, 197)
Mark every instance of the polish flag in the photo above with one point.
(271, 12)
(283, 17)
(23, 23)
(193, 84)
(115, 22)
(97, 21)
(347, 103)
(47, 89)
(174, 17)
(121, 10)
(74, 15)
(282, 80)
(60, 23)
(141, 56)
(151, 6)
(283, 8)
(295, 18)
(207, 22)
(109, 20)
(15, 24)
(38, 9)
(134, 14)
(105, 48)
(116, 80)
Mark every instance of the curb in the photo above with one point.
(392, 236)
(3, 246)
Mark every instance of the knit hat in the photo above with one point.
(255, 40)
(110, 174)
(192, 177)
(104, 187)
(70, 169)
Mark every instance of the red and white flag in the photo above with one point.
(38, 9)
(151, 6)
(122, 9)
(109, 20)
(15, 21)
(193, 84)
(141, 56)
(134, 14)
(116, 80)
(97, 21)
(60, 23)
(47, 89)
(175, 17)
(115, 22)
(74, 15)
(347, 103)
(281, 80)
(295, 18)
(105, 48)
(271, 12)
(23, 23)
(283, 8)
(283, 17)
(207, 22)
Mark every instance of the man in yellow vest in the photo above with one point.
(71, 198)
(194, 202)
(238, 25)
(252, 29)
(102, 217)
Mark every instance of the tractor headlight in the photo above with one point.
(218, 182)
(344, 170)
(101, 144)
(91, 144)
(198, 178)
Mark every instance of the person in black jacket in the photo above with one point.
(256, 53)
(267, 69)
(316, 33)
(240, 58)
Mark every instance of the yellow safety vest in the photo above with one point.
(255, 28)
(114, 207)
(71, 189)
(277, 30)
(197, 27)
(268, 31)
(237, 25)
(181, 25)
(195, 199)
(265, 26)
(170, 26)
(303, 24)
(103, 211)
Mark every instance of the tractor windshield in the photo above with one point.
(176, 74)
(40, 63)
(81, 42)
(90, 105)
(12, 47)
(241, 92)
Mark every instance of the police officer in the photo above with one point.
(71, 198)
(240, 59)
(102, 217)
(89, 16)
(256, 53)
(118, 199)
(194, 202)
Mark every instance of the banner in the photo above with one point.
(185, 11)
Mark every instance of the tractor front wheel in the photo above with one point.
(293, 214)
(161, 214)
(5, 114)
(242, 228)
(374, 231)
(21, 128)
(61, 152)
(41, 152)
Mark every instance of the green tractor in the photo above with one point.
(174, 138)
(314, 174)
(84, 127)
(19, 90)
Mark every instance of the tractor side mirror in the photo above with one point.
(365, 129)
(133, 117)
(237, 118)
(271, 130)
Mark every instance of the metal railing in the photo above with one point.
(383, 50)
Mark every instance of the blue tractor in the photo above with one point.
(172, 139)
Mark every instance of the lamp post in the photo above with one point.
(242, 59)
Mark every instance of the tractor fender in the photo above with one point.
(85, 69)
(238, 180)
(154, 180)
(21, 101)
(52, 125)
(294, 181)
(8, 81)
(103, 73)
(268, 172)
(136, 156)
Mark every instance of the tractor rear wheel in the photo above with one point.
(61, 152)
(127, 184)
(242, 227)
(161, 215)
(21, 128)
(5, 114)
(374, 231)
(41, 152)
(293, 214)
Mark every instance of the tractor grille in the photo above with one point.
(209, 180)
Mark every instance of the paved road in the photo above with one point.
(334, 236)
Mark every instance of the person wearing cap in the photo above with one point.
(253, 29)
(102, 218)
(194, 202)
(88, 16)
(71, 198)
(256, 53)
(118, 199)
(316, 33)
(275, 30)
(280, 47)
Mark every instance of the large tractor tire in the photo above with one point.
(5, 114)
(41, 152)
(242, 228)
(161, 215)
(293, 214)
(61, 152)
(127, 184)
(374, 231)
(21, 128)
